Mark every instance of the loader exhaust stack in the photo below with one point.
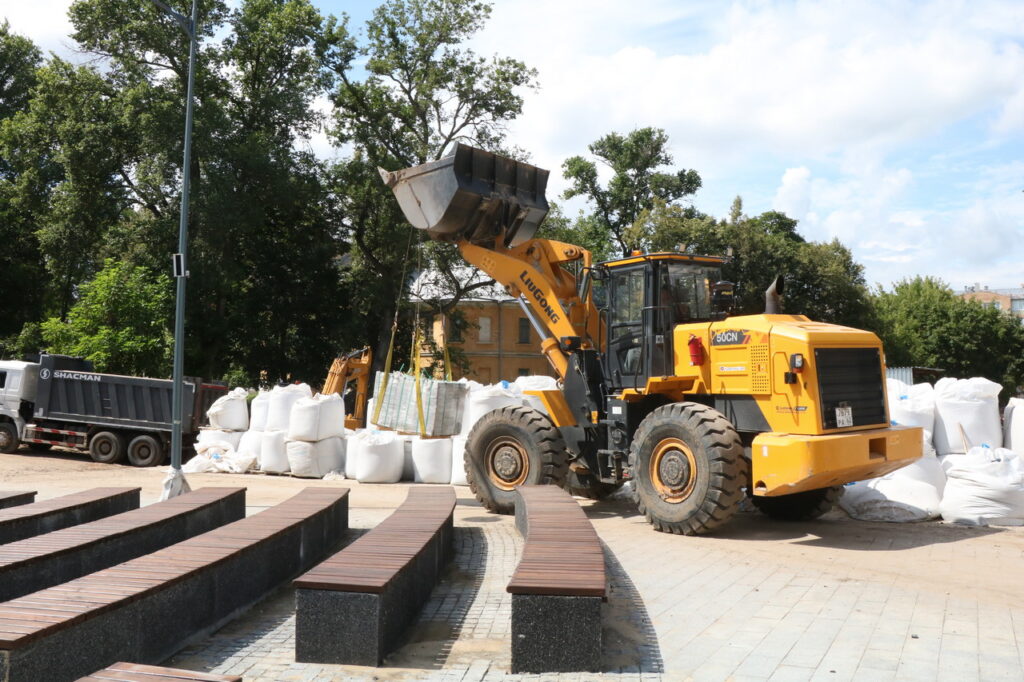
(472, 195)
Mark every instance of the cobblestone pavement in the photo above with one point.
(832, 599)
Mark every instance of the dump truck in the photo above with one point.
(60, 400)
(659, 383)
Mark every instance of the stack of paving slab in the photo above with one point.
(392, 449)
(965, 473)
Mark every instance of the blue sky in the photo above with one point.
(895, 126)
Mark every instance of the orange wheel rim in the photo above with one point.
(507, 463)
(673, 470)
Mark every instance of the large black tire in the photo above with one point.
(8, 437)
(145, 451)
(107, 447)
(585, 484)
(803, 506)
(688, 468)
(509, 447)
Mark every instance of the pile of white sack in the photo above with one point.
(217, 446)
(381, 456)
(965, 475)
(290, 430)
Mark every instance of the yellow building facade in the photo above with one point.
(498, 341)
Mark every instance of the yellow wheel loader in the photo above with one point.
(659, 384)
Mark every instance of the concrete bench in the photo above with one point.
(148, 608)
(354, 607)
(558, 586)
(134, 672)
(29, 520)
(13, 498)
(36, 563)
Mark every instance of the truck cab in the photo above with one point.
(18, 382)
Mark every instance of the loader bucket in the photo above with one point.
(473, 195)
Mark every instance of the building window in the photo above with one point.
(485, 329)
(997, 305)
(454, 331)
(523, 372)
(1017, 305)
(524, 330)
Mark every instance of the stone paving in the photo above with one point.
(695, 608)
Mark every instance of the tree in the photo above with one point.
(21, 267)
(636, 183)
(923, 323)
(120, 322)
(422, 90)
(822, 279)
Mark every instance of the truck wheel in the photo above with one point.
(688, 468)
(804, 506)
(8, 437)
(510, 447)
(586, 484)
(145, 451)
(107, 447)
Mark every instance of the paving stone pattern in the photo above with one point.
(758, 602)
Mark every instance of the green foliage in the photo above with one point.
(120, 322)
(21, 266)
(923, 323)
(636, 183)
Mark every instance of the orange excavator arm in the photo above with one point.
(490, 207)
(354, 366)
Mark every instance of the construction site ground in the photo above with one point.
(834, 599)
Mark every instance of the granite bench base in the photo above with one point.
(27, 566)
(29, 520)
(13, 498)
(208, 580)
(554, 634)
(362, 627)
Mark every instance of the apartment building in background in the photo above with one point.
(1010, 300)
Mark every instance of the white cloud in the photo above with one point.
(794, 194)
(44, 21)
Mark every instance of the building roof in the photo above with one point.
(432, 285)
(1014, 292)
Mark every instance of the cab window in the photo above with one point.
(628, 292)
(686, 291)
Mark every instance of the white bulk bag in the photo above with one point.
(329, 454)
(912, 405)
(913, 493)
(985, 486)
(458, 463)
(1013, 426)
(282, 398)
(273, 454)
(258, 411)
(317, 418)
(482, 400)
(970, 404)
(230, 412)
(219, 436)
(432, 460)
(380, 458)
(535, 383)
(200, 464)
(301, 461)
(353, 450)
(250, 443)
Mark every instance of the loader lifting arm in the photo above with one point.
(490, 207)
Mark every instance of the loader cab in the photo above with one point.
(642, 298)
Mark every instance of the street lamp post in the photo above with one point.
(175, 483)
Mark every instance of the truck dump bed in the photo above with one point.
(72, 395)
